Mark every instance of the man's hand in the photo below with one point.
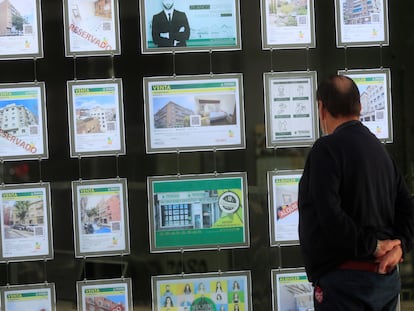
(390, 260)
(384, 246)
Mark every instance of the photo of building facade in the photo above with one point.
(17, 119)
(361, 11)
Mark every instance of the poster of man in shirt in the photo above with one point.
(189, 25)
(361, 23)
(23, 129)
(374, 86)
(91, 27)
(288, 24)
(20, 29)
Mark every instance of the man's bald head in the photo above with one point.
(340, 96)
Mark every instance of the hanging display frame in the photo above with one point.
(198, 212)
(110, 235)
(27, 142)
(294, 31)
(24, 40)
(115, 294)
(288, 125)
(28, 297)
(214, 291)
(376, 101)
(91, 31)
(354, 30)
(213, 25)
(291, 289)
(96, 118)
(283, 188)
(194, 113)
(30, 237)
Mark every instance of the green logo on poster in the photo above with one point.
(203, 304)
(229, 202)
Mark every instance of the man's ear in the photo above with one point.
(322, 110)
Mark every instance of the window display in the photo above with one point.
(26, 226)
(198, 212)
(91, 28)
(189, 26)
(21, 29)
(100, 213)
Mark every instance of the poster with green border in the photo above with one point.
(198, 212)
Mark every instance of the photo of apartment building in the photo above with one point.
(373, 103)
(361, 11)
(18, 120)
(220, 110)
(95, 120)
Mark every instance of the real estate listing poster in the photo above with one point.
(288, 24)
(198, 212)
(189, 26)
(375, 95)
(91, 27)
(26, 227)
(31, 297)
(283, 187)
(96, 117)
(290, 109)
(226, 291)
(20, 29)
(361, 23)
(23, 127)
(291, 290)
(110, 294)
(190, 113)
(101, 221)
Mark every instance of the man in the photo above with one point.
(170, 27)
(356, 215)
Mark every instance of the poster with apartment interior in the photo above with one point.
(91, 27)
(190, 113)
(96, 117)
(283, 187)
(109, 294)
(288, 24)
(374, 86)
(361, 23)
(198, 212)
(25, 215)
(30, 297)
(290, 112)
(213, 25)
(226, 291)
(23, 128)
(20, 29)
(100, 213)
(291, 290)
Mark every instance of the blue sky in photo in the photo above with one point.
(30, 104)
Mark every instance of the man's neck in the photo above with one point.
(335, 122)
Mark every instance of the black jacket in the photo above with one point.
(160, 24)
(351, 193)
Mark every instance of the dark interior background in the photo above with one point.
(55, 69)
